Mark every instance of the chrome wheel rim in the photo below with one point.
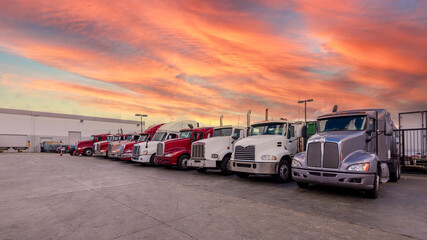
(284, 171)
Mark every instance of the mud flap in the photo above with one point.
(385, 173)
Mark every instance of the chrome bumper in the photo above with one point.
(113, 154)
(141, 158)
(205, 163)
(254, 167)
(100, 154)
(347, 180)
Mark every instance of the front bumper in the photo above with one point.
(165, 160)
(363, 181)
(79, 151)
(126, 156)
(99, 154)
(141, 158)
(113, 154)
(203, 163)
(254, 167)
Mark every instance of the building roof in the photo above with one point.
(64, 116)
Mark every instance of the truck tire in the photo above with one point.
(242, 174)
(374, 192)
(395, 176)
(87, 152)
(302, 184)
(283, 171)
(201, 170)
(225, 166)
(182, 162)
(152, 161)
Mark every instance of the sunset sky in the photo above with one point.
(198, 59)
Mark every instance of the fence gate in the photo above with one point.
(412, 147)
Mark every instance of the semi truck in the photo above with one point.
(114, 147)
(268, 149)
(125, 150)
(215, 152)
(352, 149)
(177, 152)
(100, 149)
(85, 148)
(145, 152)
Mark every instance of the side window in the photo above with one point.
(99, 138)
(197, 136)
(291, 131)
(236, 133)
(371, 126)
(172, 136)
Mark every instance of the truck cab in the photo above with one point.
(114, 147)
(85, 148)
(145, 152)
(352, 149)
(215, 152)
(268, 150)
(177, 152)
(125, 150)
(100, 149)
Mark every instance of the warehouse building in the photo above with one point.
(21, 128)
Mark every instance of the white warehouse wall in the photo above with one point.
(17, 127)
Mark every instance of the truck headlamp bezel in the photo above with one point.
(296, 163)
(268, 157)
(360, 167)
(145, 152)
(168, 154)
(214, 155)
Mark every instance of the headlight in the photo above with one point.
(268, 157)
(214, 155)
(295, 163)
(128, 151)
(361, 167)
(169, 155)
(102, 150)
(145, 152)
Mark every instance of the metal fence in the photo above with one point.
(412, 147)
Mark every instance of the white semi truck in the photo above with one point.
(268, 150)
(215, 152)
(145, 152)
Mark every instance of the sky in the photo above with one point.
(199, 59)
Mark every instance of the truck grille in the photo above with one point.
(330, 158)
(245, 153)
(110, 147)
(135, 151)
(198, 151)
(160, 149)
(96, 147)
(121, 149)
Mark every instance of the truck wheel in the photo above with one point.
(88, 152)
(201, 170)
(225, 166)
(302, 184)
(374, 192)
(283, 171)
(395, 176)
(182, 162)
(242, 174)
(152, 161)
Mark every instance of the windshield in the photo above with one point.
(267, 129)
(222, 132)
(129, 137)
(143, 138)
(116, 138)
(353, 123)
(185, 134)
(92, 138)
(159, 136)
(109, 138)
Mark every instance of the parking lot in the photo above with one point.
(47, 196)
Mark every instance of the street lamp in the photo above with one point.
(141, 115)
(305, 107)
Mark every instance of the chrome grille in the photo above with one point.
(244, 153)
(110, 147)
(96, 147)
(314, 154)
(160, 149)
(135, 151)
(121, 149)
(330, 155)
(198, 151)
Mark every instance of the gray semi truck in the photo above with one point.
(352, 149)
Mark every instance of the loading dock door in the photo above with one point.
(13, 140)
(74, 137)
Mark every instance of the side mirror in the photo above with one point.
(304, 131)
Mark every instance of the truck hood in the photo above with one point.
(337, 136)
(85, 143)
(260, 140)
(216, 145)
(151, 146)
(116, 145)
(179, 143)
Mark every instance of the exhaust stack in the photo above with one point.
(335, 109)
(248, 121)
(220, 120)
(266, 114)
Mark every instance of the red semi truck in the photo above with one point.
(85, 147)
(125, 151)
(100, 149)
(177, 152)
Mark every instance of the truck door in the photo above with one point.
(197, 136)
(291, 143)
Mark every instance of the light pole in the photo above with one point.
(141, 115)
(305, 107)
